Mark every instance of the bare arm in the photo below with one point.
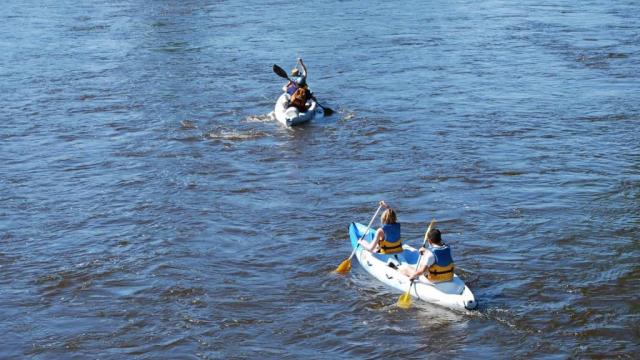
(286, 86)
(421, 270)
(412, 272)
(303, 67)
(370, 247)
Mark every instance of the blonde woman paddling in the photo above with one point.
(387, 240)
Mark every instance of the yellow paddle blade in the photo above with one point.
(344, 266)
(404, 301)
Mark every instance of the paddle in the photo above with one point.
(345, 266)
(280, 72)
(405, 299)
(283, 74)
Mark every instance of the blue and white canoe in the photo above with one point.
(290, 116)
(452, 294)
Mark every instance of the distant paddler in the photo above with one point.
(298, 78)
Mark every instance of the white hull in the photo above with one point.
(291, 116)
(451, 294)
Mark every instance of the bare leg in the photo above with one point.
(406, 270)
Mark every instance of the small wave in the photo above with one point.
(617, 56)
(244, 190)
(188, 139)
(234, 135)
(350, 115)
(88, 28)
(232, 323)
(180, 46)
(512, 173)
(407, 41)
(181, 292)
(86, 97)
(260, 118)
(114, 108)
(188, 124)
(607, 117)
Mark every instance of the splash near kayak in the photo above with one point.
(297, 104)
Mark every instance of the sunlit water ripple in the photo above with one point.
(149, 206)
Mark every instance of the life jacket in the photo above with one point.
(442, 268)
(299, 98)
(391, 243)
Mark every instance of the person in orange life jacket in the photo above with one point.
(436, 263)
(387, 239)
(298, 78)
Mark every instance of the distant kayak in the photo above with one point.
(452, 294)
(291, 116)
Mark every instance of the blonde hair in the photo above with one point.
(388, 217)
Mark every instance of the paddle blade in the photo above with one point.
(280, 71)
(327, 111)
(404, 301)
(344, 267)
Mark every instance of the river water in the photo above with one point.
(150, 207)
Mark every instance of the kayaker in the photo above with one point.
(436, 263)
(387, 239)
(298, 78)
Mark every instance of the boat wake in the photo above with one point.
(187, 125)
(235, 135)
(260, 118)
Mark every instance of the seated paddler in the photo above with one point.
(436, 262)
(298, 78)
(388, 239)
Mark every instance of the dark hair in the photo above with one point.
(434, 236)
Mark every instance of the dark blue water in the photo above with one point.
(150, 207)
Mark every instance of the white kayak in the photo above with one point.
(291, 116)
(452, 294)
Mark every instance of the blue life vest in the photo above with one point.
(291, 88)
(391, 243)
(442, 268)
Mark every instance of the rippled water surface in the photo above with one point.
(149, 206)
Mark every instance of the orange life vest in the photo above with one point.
(442, 268)
(392, 243)
(299, 98)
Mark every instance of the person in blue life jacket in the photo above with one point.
(388, 237)
(297, 88)
(298, 78)
(436, 263)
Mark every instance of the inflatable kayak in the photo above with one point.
(291, 116)
(452, 294)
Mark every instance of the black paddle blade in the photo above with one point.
(327, 111)
(280, 71)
